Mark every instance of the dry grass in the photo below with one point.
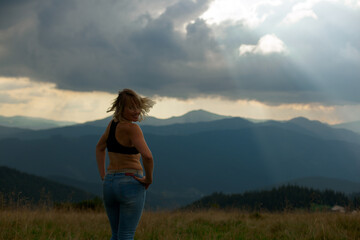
(53, 224)
(211, 224)
(239, 225)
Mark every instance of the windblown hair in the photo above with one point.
(128, 97)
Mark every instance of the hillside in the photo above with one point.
(15, 184)
(315, 129)
(11, 132)
(324, 183)
(68, 132)
(282, 198)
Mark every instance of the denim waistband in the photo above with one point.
(125, 170)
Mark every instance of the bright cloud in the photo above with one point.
(352, 3)
(244, 11)
(297, 15)
(37, 99)
(300, 11)
(304, 9)
(267, 44)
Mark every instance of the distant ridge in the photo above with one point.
(32, 123)
(352, 126)
(190, 117)
(33, 189)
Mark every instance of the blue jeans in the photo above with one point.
(124, 199)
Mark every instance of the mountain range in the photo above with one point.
(32, 123)
(21, 122)
(197, 158)
(190, 117)
(92, 127)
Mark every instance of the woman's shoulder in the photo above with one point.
(130, 126)
(134, 127)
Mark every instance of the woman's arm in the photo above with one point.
(100, 156)
(138, 140)
(101, 153)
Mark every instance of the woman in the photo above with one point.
(124, 184)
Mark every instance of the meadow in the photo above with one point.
(45, 223)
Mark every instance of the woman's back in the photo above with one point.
(122, 154)
(122, 133)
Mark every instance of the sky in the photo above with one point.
(261, 59)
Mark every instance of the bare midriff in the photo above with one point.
(120, 161)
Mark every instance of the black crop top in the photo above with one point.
(114, 146)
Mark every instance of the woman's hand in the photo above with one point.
(143, 181)
(137, 138)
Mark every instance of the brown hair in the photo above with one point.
(128, 97)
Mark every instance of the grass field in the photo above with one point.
(212, 224)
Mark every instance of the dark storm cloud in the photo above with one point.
(163, 48)
(13, 12)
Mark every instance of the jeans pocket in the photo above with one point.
(137, 181)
